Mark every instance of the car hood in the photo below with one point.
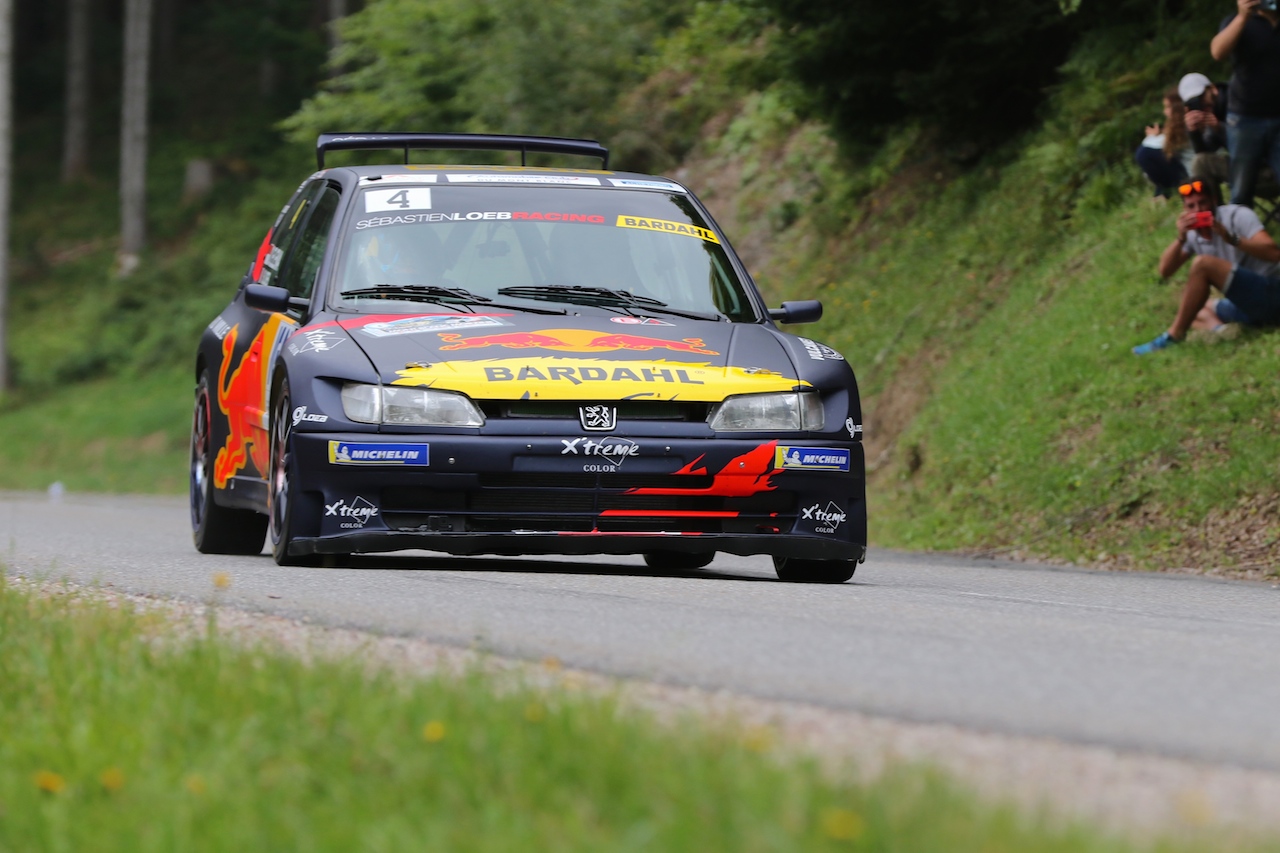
(526, 356)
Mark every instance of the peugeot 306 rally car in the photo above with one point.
(517, 360)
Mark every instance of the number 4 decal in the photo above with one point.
(407, 198)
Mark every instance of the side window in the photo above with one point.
(304, 259)
(286, 230)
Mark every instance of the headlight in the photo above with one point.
(787, 412)
(376, 404)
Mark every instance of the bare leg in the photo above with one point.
(1207, 320)
(1206, 273)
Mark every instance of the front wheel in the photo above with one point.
(283, 493)
(796, 570)
(216, 529)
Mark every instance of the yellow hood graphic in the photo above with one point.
(552, 378)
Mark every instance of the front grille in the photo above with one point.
(583, 502)
(628, 410)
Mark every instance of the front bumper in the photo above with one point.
(485, 494)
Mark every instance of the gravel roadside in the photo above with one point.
(1137, 795)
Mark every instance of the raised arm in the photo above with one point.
(1225, 41)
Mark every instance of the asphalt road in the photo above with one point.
(1177, 666)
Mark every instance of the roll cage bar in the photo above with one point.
(458, 142)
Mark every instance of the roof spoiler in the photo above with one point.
(458, 142)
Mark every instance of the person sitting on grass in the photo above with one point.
(1230, 251)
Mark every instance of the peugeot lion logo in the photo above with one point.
(598, 418)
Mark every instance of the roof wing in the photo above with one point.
(458, 142)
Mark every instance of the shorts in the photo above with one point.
(1252, 299)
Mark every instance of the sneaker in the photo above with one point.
(1163, 341)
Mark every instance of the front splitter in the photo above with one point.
(576, 544)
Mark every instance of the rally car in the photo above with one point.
(486, 359)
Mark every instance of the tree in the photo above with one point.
(133, 134)
(6, 175)
(75, 140)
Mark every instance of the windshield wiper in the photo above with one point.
(424, 292)
(602, 297)
(441, 296)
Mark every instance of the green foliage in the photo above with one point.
(120, 735)
(498, 66)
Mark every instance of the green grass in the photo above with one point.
(117, 434)
(116, 737)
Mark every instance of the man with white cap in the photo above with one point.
(1206, 117)
(1251, 37)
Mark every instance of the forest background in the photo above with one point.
(953, 181)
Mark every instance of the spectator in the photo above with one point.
(1234, 254)
(1165, 156)
(1251, 39)
(1206, 116)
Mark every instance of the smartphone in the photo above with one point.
(1204, 219)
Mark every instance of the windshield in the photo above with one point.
(587, 250)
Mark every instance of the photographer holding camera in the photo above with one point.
(1206, 122)
(1251, 39)
(1230, 251)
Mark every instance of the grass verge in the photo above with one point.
(117, 737)
(115, 434)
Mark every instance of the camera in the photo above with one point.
(1197, 103)
(1204, 219)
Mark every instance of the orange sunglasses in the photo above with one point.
(1191, 187)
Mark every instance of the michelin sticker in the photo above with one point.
(499, 178)
(404, 198)
(432, 323)
(353, 453)
(647, 185)
(351, 516)
(813, 458)
(825, 520)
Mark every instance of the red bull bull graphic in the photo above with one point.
(553, 378)
(574, 340)
(742, 477)
(242, 397)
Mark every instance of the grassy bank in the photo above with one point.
(117, 738)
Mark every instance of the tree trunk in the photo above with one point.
(6, 177)
(133, 134)
(75, 140)
(337, 11)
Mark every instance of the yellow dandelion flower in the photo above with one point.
(433, 732)
(842, 824)
(194, 783)
(50, 782)
(112, 779)
(551, 662)
(534, 712)
(221, 580)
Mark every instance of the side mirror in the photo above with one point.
(266, 297)
(802, 311)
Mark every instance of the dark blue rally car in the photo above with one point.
(518, 360)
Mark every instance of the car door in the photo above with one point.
(249, 339)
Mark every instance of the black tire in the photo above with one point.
(796, 570)
(282, 494)
(678, 560)
(216, 529)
